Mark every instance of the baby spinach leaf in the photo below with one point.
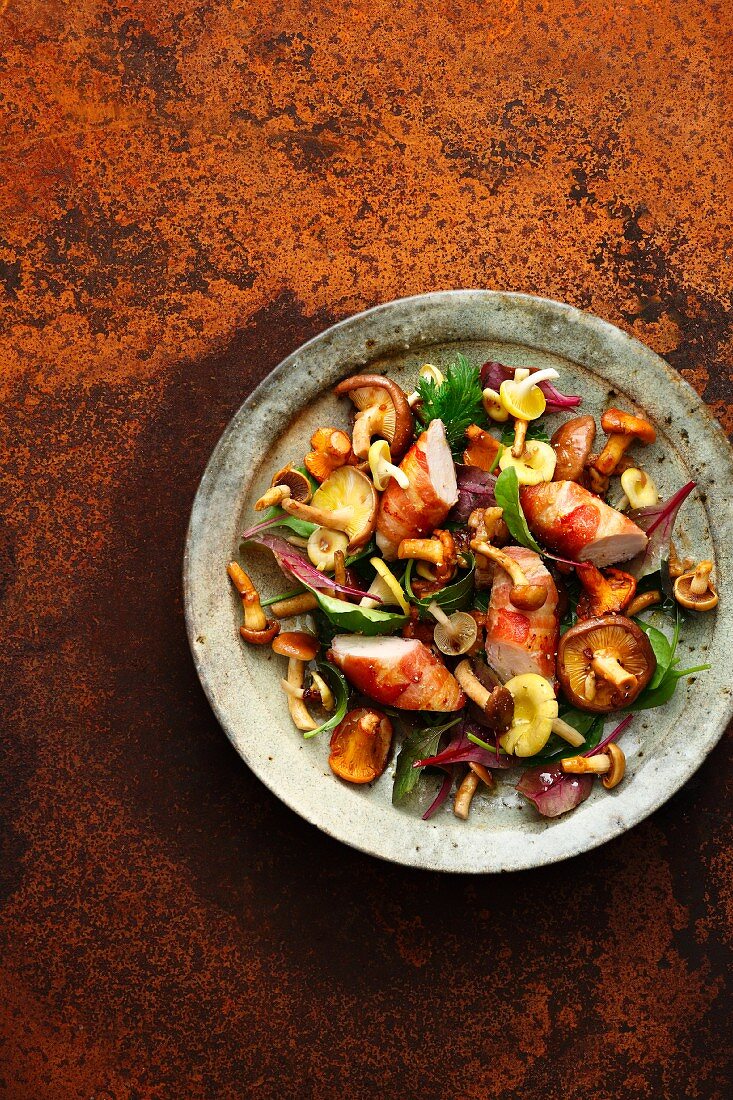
(506, 492)
(418, 745)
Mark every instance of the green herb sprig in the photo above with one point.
(456, 401)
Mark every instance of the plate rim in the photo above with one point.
(591, 322)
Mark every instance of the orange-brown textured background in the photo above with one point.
(189, 192)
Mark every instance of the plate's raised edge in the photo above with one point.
(400, 309)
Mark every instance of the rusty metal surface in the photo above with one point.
(190, 192)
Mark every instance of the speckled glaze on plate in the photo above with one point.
(597, 360)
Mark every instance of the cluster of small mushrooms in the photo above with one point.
(603, 662)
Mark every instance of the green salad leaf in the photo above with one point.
(456, 401)
(454, 597)
(354, 619)
(663, 683)
(506, 492)
(418, 745)
(278, 518)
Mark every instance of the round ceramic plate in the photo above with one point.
(604, 365)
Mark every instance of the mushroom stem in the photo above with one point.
(464, 795)
(294, 605)
(699, 583)
(608, 459)
(423, 549)
(383, 468)
(404, 422)
(640, 603)
(336, 520)
(437, 612)
(520, 436)
(254, 617)
(525, 596)
(471, 684)
(275, 495)
(585, 765)
(533, 379)
(562, 729)
(610, 764)
(609, 668)
(367, 423)
(339, 567)
(286, 483)
(497, 705)
(296, 706)
(293, 692)
(388, 469)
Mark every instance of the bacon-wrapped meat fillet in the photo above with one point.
(399, 672)
(522, 641)
(568, 519)
(416, 511)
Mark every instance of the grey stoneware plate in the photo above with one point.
(604, 365)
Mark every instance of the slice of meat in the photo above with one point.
(399, 672)
(417, 510)
(572, 522)
(522, 641)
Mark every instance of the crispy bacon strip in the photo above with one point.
(522, 641)
(568, 519)
(398, 672)
(417, 510)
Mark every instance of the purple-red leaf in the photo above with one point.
(658, 522)
(293, 563)
(493, 374)
(462, 751)
(613, 735)
(273, 521)
(441, 795)
(475, 490)
(554, 791)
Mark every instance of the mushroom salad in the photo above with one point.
(472, 590)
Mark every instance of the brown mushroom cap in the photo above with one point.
(298, 483)
(572, 443)
(297, 643)
(618, 422)
(694, 601)
(618, 766)
(260, 637)
(613, 638)
(404, 422)
(499, 710)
